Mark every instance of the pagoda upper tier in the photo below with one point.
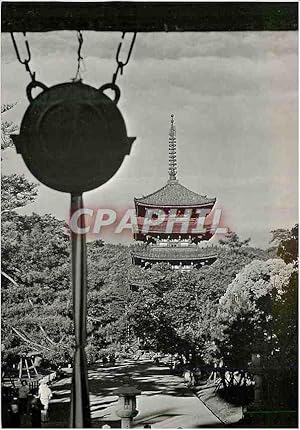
(175, 195)
(173, 199)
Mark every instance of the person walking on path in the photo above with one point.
(189, 378)
(45, 395)
(23, 397)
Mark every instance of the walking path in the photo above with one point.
(165, 402)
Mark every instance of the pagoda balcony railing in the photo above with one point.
(177, 228)
(192, 252)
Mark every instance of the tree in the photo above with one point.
(287, 243)
(35, 255)
(174, 311)
(232, 240)
(7, 127)
(35, 270)
(16, 192)
(285, 314)
(245, 312)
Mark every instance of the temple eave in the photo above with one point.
(166, 259)
(176, 205)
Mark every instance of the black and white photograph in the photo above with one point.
(149, 214)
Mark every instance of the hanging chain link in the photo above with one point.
(121, 64)
(27, 60)
(79, 57)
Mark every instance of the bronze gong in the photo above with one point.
(73, 137)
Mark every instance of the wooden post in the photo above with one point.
(20, 368)
(34, 368)
(80, 409)
(27, 368)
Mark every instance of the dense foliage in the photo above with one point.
(36, 309)
(7, 127)
(174, 311)
(258, 313)
(244, 322)
(35, 256)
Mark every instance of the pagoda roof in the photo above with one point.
(176, 253)
(176, 195)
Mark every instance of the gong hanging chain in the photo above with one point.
(121, 64)
(79, 57)
(27, 60)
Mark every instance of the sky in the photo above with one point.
(234, 97)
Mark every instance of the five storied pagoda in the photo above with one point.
(171, 222)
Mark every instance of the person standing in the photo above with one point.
(23, 397)
(45, 395)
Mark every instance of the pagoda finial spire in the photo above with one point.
(172, 151)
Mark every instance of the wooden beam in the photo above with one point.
(149, 16)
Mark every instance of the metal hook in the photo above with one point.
(119, 48)
(121, 64)
(26, 61)
(79, 57)
(129, 52)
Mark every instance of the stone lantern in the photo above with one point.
(257, 370)
(254, 413)
(127, 404)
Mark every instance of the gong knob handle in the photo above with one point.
(34, 84)
(115, 88)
